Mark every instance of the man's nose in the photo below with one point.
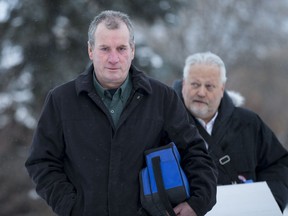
(201, 91)
(113, 57)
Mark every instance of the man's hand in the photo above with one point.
(184, 209)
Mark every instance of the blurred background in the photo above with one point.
(43, 43)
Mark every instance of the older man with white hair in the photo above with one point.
(244, 148)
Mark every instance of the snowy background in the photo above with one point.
(44, 43)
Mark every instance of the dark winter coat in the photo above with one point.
(83, 165)
(255, 152)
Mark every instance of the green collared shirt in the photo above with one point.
(114, 99)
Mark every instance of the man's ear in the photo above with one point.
(133, 50)
(90, 50)
(182, 83)
(223, 88)
(182, 86)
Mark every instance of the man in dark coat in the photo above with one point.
(241, 144)
(88, 147)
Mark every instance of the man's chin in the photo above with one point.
(199, 112)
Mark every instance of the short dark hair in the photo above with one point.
(112, 20)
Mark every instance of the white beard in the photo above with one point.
(199, 112)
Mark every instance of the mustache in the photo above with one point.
(200, 101)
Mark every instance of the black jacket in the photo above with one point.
(83, 165)
(253, 148)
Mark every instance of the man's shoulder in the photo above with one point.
(148, 83)
(63, 89)
(245, 114)
(75, 84)
(162, 87)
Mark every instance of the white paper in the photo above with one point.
(251, 199)
(285, 213)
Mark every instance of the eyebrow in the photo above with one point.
(103, 45)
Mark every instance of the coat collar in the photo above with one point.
(225, 111)
(226, 107)
(140, 81)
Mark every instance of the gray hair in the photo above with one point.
(205, 58)
(112, 20)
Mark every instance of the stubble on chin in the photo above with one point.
(198, 112)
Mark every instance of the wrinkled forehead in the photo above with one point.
(207, 71)
(121, 33)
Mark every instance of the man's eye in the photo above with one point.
(210, 87)
(122, 48)
(104, 49)
(195, 85)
